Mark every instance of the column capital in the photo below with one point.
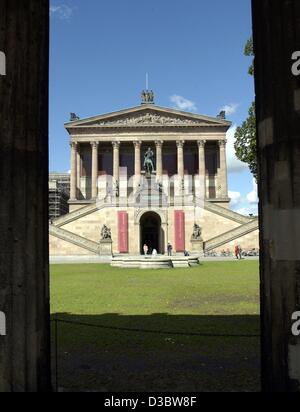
(116, 145)
(137, 143)
(159, 143)
(201, 143)
(222, 143)
(180, 143)
(94, 144)
(73, 145)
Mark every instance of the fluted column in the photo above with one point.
(73, 182)
(116, 164)
(159, 165)
(180, 158)
(137, 158)
(202, 170)
(94, 169)
(223, 169)
(78, 168)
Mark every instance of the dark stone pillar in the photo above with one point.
(24, 281)
(276, 25)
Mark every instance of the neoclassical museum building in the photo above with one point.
(149, 175)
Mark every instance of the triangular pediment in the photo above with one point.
(148, 116)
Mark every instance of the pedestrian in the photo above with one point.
(145, 249)
(170, 248)
(236, 252)
(240, 252)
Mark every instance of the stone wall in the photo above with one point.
(90, 226)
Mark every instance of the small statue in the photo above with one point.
(147, 96)
(74, 117)
(222, 115)
(105, 233)
(197, 233)
(148, 161)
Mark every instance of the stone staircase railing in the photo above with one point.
(231, 235)
(84, 211)
(74, 239)
(227, 213)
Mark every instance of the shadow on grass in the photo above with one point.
(156, 353)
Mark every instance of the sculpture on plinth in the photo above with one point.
(105, 248)
(197, 232)
(149, 161)
(197, 241)
(105, 233)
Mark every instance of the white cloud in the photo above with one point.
(63, 12)
(248, 210)
(245, 205)
(230, 108)
(236, 199)
(183, 104)
(234, 164)
(252, 197)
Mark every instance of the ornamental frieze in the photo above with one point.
(150, 119)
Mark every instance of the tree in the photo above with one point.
(245, 143)
(245, 135)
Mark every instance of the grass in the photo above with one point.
(150, 327)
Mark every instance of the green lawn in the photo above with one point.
(157, 330)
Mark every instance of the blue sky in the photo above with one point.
(192, 50)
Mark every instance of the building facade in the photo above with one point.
(153, 176)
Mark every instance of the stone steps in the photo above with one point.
(227, 213)
(74, 239)
(231, 235)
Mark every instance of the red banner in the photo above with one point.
(123, 232)
(179, 231)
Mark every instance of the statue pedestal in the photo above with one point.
(197, 247)
(105, 248)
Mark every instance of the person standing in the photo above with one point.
(236, 252)
(145, 249)
(240, 252)
(170, 249)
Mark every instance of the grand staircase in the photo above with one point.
(74, 239)
(231, 235)
(247, 225)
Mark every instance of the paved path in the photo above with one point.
(65, 260)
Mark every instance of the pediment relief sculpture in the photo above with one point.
(150, 119)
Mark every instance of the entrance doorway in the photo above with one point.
(151, 233)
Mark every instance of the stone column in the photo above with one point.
(78, 168)
(276, 38)
(202, 168)
(73, 182)
(116, 165)
(94, 169)
(159, 163)
(223, 170)
(180, 158)
(24, 245)
(137, 158)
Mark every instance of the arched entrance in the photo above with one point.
(151, 232)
